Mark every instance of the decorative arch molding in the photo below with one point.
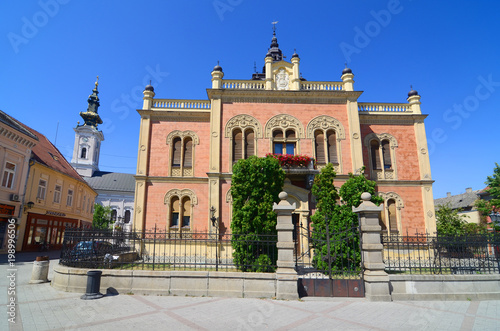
(180, 194)
(229, 197)
(325, 122)
(283, 121)
(394, 196)
(243, 121)
(380, 137)
(182, 135)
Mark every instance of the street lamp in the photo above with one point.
(495, 217)
(215, 224)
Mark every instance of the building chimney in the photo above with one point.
(448, 194)
(468, 190)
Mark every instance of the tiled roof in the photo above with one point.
(13, 123)
(463, 200)
(47, 154)
(112, 181)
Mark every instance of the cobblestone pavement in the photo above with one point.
(41, 307)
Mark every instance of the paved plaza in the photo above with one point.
(40, 307)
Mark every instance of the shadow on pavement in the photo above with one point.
(30, 256)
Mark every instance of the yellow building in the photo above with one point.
(56, 196)
(16, 143)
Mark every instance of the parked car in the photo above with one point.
(86, 250)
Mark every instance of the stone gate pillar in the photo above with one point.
(286, 276)
(375, 278)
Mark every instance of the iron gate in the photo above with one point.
(328, 263)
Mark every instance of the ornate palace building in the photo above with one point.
(187, 147)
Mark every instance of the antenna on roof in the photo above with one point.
(57, 129)
(254, 67)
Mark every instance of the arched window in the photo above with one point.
(186, 212)
(113, 215)
(182, 152)
(83, 155)
(188, 152)
(249, 143)
(386, 154)
(284, 143)
(325, 148)
(393, 221)
(176, 152)
(374, 147)
(175, 212)
(237, 145)
(127, 217)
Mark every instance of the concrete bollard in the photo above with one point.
(40, 271)
(93, 285)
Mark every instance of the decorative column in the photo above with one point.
(375, 277)
(286, 276)
(269, 71)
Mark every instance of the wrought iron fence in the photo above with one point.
(425, 254)
(168, 250)
(328, 254)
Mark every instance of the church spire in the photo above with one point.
(274, 50)
(91, 117)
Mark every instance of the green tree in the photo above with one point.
(338, 220)
(449, 222)
(486, 207)
(255, 185)
(102, 217)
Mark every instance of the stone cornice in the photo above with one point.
(17, 137)
(273, 96)
(383, 183)
(184, 115)
(390, 118)
(165, 179)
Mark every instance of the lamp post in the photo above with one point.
(495, 218)
(215, 224)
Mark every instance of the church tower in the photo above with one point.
(88, 138)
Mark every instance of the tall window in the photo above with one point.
(8, 175)
(243, 144)
(84, 153)
(114, 215)
(393, 221)
(386, 154)
(182, 152)
(284, 142)
(175, 212)
(374, 147)
(127, 217)
(57, 194)
(186, 212)
(180, 205)
(325, 144)
(69, 198)
(42, 189)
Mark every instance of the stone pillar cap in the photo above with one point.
(366, 205)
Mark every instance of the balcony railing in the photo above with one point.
(181, 104)
(244, 84)
(321, 86)
(384, 107)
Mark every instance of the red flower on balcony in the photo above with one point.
(289, 160)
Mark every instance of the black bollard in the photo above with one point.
(93, 285)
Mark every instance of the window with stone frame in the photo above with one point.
(180, 207)
(42, 189)
(325, 147)
(182, 145)
(57, 193)
(284, 141)
(382, 156)
(69, 198)
(243, 144)
(391, 214)
(9, 173)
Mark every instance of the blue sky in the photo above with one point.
(52, 51)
